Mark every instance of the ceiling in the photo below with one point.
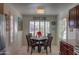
(50, 8)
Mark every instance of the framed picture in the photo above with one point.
(20, 24)
(7, 22)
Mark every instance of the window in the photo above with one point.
(47, 30)
(36, 27)
(43, 26)
(64, 28)
(32, 27)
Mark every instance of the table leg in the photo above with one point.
(39, 48)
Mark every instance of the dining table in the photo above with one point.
(40, 41)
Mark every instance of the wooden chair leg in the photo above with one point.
(27, 48)
(50, 48)
(34, 48)
(46, 51)
(31, 50)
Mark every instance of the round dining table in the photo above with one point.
(40, 41)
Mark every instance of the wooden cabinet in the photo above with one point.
(1, 8)
(77, 16)
(74, 17)
(66, 49)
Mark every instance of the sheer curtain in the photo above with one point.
(39, 24)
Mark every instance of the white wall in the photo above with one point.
(72, 36)
(17, 35)
(26, 20)
(77, 37)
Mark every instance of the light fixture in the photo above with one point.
(40, 10)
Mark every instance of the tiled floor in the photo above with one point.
(23, 51)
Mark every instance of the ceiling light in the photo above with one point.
(40, 10)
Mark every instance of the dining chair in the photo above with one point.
(28, 42)
(48, 43)
(33, 45)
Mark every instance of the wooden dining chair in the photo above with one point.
(28, 42)
(28, 36)
(48, 43)
(33, 45)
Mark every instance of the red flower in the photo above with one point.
(39, 34)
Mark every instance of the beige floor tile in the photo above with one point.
(23, 51)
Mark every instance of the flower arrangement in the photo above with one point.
(39, 34)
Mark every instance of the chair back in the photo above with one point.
(49, 35)
(28, 39)
(50, 40)
(30, 34)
